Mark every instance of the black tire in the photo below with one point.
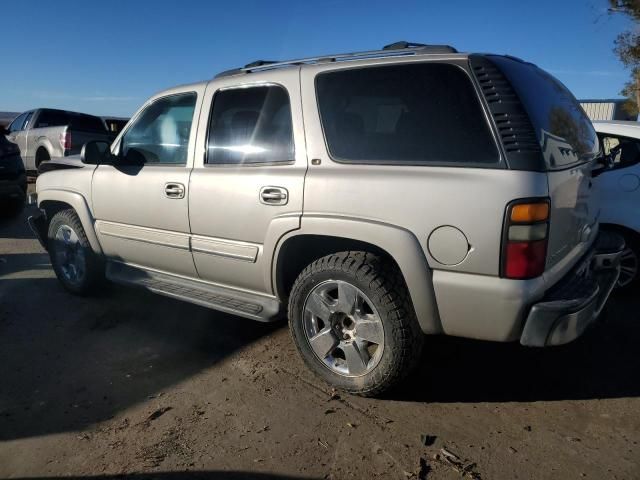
(630, 259)
(383, 284)
(93, 272)
(42, 155)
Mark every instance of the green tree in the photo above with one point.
(627, 48)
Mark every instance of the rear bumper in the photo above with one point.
(576, 302)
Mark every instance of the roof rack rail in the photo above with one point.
(260, 63)
(431, 48)
(396, 49)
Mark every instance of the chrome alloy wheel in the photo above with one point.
(343, 328)
(70, 255)
(628, 267)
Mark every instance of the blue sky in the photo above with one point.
(107, 57)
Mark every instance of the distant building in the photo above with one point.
(607, 109)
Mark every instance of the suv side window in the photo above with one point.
(160, 134)
(626, 151)
(412, 114)
(17, 124)
(249, 126)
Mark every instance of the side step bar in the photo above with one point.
(256, 307)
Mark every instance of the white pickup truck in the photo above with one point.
(46, 133)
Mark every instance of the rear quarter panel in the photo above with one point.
(417, 198)
(472, 300)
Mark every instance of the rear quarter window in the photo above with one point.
(418, 113)
(563, 129)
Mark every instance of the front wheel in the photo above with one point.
(353, 323)
(76, 265)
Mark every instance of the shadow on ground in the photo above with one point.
(604, 363)
(68, 362)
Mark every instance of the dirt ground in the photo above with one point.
(133, 385)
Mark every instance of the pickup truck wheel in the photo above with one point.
(42, 155)
(353, 323)
(76, 265)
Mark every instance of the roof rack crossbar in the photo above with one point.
(397, 49)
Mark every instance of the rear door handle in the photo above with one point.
(174, 190)
(274, 195)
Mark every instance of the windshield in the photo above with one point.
(563, 129)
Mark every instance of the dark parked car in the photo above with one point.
(13, 180)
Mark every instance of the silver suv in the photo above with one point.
(374, 197)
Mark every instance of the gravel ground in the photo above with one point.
(133, 385)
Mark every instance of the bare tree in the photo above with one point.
(627, 48)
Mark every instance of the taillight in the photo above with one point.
(65, 140)
(525, 236)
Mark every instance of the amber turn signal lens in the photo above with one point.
(530, 212)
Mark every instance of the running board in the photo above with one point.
(255, 307)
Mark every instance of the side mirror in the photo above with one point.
(96, 152)
(4, 131)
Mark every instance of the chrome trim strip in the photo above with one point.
(242, 251)
(144, 235)
(227, 249)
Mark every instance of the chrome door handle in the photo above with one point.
(174, 190)
(274, 195)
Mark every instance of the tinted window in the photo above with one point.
(86, 123)
(250, 125)
(115, 125)
(17, 124)
(625, 151)
(52, 118)
(409, 114)
(564, 131)
(75, 121)
(161, 133)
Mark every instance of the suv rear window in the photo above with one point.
(418, 113)
(563, 129)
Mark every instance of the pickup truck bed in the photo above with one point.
(44, 134)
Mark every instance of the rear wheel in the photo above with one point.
(353, 323)
(75, 263)
(42, 155)
(629, 264)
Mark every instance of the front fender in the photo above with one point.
(399, 243)
(79, 204)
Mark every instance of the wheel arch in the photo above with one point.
(621, 229)
(44, 145)
(53, 201)
(318, 237)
